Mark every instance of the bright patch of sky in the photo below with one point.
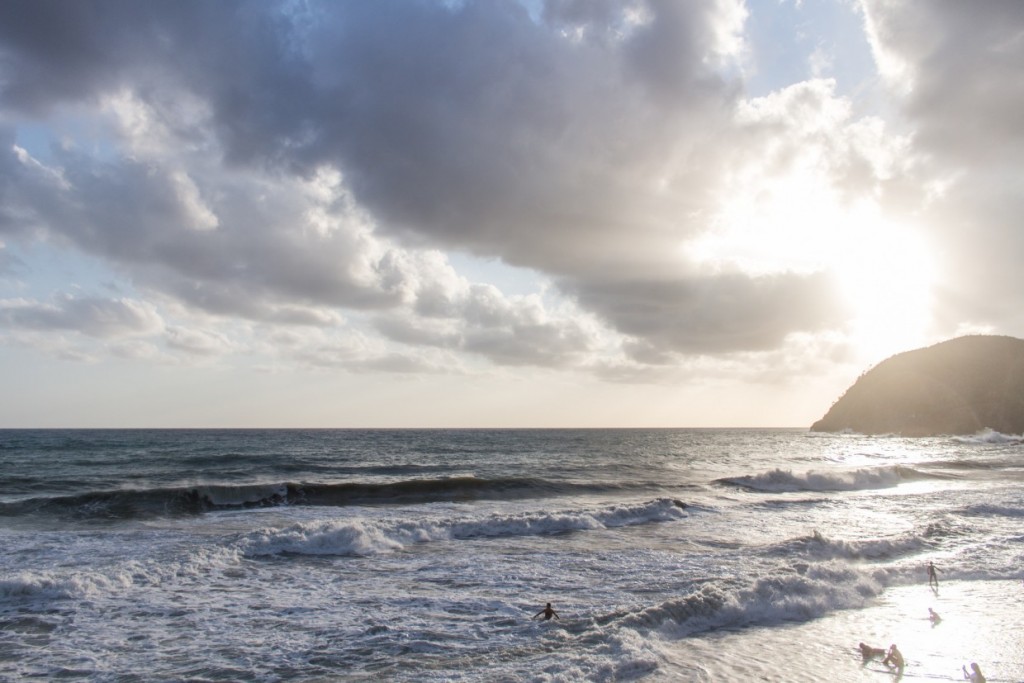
(796, 40)
(44, 272)
(509, 279)
(88, 134)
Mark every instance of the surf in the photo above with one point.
(822, 481)
(361, 537)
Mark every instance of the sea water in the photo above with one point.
(423, 555)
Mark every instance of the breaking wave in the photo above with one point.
(990, 436)
(818, 547)
(785, 481)
(988, 510)
(65, 583)
(363, 537)
(806, 592)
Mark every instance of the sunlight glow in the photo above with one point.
(795, 224)
(886, 272)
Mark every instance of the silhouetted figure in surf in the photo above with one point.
(894, 660)
(933, 577)
(867, 653)
(933, 616)
(548, 612)
(974, 675)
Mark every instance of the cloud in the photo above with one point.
(480, 320)
(302, 164)
(9, 263)
(197, 342)
(957, 75)
(714, 315)
(100, 318)
(960, 68)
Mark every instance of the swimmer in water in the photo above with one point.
(547, 612)
(933, 616)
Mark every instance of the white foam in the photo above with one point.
(60, 584)
(51, 585)
(989, 436)
(784, 481)
(984, 510)
(796, 596)
(817, 546)
(360, 537)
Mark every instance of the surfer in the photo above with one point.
(548, 612)
(867, 653)
(974, 675)
(894, 659)
(933, 577)
(933, 616)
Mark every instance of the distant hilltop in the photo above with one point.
(960, 386)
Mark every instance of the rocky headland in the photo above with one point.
(960, 386)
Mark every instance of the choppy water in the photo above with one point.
(317, 555)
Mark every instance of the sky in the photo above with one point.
(496, 213)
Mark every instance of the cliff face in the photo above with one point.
(960, 386)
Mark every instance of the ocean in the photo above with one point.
(424, 555)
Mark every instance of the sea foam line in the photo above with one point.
(357, 536)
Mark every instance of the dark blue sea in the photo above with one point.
(422, 555)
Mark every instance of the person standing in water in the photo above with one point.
(933, 577)
(974, 675)
(894, 660)
(547, 612)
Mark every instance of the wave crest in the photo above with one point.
(787, 481)
(990, 436)
(818, 547)
(361, 537)
(174, 501)
(801, 595)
